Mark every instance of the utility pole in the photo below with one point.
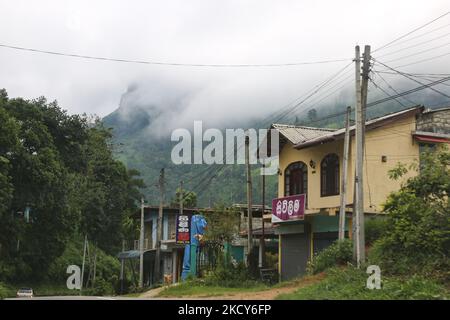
(122, 268)
(344, 176)
(157, 268)
(364, 86)
(141, 248)
(361, 101)
(181, 197)
(249, 197)
(262, 241)
(84, 259)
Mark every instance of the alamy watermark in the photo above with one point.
(374, 280)
(214, 147)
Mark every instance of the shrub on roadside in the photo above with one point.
(350, 283)
(339, 253)
(416, 239)
(374, 228)
(5, 291)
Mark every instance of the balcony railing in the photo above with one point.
(147, 244)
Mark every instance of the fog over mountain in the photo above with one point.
(208, 32)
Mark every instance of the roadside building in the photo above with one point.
(171, 252)
(310, 163)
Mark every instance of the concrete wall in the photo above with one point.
(393, 141)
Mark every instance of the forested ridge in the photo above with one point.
(59, 182)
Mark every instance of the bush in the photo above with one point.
(6, 292)
(350, 283)
(374, 228)
(107, 268)
(416, 239)
(339, 253)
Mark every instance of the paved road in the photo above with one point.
(76, 298)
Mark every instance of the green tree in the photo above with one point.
(189, 198)
(417, 229)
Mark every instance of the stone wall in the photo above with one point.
(437, 121)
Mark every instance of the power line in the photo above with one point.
(414, 45)
(423, 60)
(392, 88)
(411, 78)
(418, 53)
(412, 31)
(173, 64)
(418, 36)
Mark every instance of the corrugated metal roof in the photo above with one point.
(300, 134)
(372, 123)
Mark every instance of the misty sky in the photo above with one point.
(215, 32)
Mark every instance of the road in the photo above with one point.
(76, 298)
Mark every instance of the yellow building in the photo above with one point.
(311, 164)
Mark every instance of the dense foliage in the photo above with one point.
(350, 284)
(416, 237)
(58, 182)
(339, 253)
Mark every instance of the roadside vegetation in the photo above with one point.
(410, 244)
(59, 182)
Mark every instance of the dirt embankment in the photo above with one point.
(268, 294)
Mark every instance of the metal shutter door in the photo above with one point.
(294, 255)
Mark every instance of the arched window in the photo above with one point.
(329, 175)
(296, 179)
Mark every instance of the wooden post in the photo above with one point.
(249, 197)
(157, 268)
(141, 247)
(344, 176)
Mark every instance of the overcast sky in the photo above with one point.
(207, 32)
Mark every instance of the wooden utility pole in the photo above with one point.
(249, 197)
(157, 268)
(361, 101)
(262, 241)
(344, 176)
(141, 247)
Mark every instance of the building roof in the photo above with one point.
(299, 134)
(370, 125)
(436, 110)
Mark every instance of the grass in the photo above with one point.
(195, 289)
(350, 284)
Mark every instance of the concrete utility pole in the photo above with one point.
(361, 101)
(82, 265)
(157, 268)
(141, 247)
(181, 197)
(344, 176)
(364, 86)
(122, 268)
(249, 197)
